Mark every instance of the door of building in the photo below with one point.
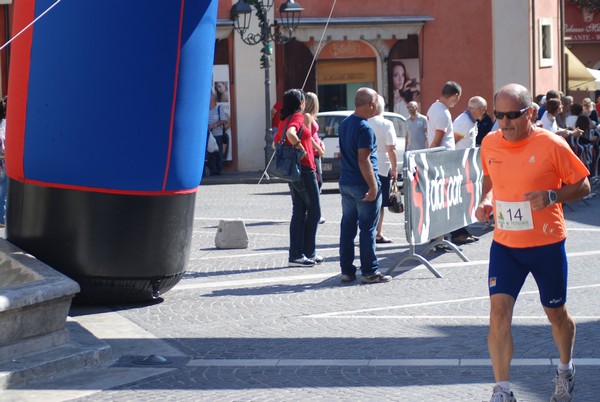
(338, 81)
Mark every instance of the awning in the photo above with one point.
(356, 28)
(224, 28)
(579, 77)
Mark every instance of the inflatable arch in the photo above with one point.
(106, 137)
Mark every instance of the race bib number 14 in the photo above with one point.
(513, 215)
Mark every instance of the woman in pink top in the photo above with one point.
(311, 108)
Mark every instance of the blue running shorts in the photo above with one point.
(510, 266)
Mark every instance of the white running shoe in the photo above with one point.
(500, 395)
(564, 385)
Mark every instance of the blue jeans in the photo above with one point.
(357, 213)
(306, 212)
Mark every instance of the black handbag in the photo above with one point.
(286, 160)
(396, 205)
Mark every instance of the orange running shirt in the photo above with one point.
(543, 161)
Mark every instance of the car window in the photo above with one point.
(328, 125)
(398, 125)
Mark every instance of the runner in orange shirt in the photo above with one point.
(528, 173)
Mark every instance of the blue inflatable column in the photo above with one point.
(106, 134)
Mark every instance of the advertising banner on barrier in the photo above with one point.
(442, 190)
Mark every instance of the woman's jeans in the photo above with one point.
(319, 166)
(306, 212)
(356, 214)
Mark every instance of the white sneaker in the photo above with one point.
(564, 384)
(500, 395)
(301, 262)
(317, 259)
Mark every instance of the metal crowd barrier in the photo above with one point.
(442, 189)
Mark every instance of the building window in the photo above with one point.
(546, 48)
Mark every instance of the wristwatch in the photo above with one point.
(552, 197)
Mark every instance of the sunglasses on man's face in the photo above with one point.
(510, 115)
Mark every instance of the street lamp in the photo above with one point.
(241, 13)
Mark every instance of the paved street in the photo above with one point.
(243, 326)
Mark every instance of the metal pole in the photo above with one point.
(268, 131)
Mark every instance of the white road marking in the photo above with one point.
(379, 362)
(351, 313)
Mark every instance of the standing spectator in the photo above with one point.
(416, 128)
(218, 123)
(539, 100)
(589, 110)
(561, 118)
(534, 115)
(465, 134)
(532, 240)
(275, 113)
(439, 120)
(311, 109)
(306, 206)
(551, 94)
(360, 190)
(484, 126)
(553, 109)
(385, 136)
(440, 132)
(465, 125)
(576, 111)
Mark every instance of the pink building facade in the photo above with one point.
(481, 44)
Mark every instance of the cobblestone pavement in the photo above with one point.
(242, 326)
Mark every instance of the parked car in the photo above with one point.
(328, 131)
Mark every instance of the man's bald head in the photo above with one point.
(365, 102)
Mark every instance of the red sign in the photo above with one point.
(581, 25)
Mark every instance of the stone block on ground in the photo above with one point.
(231, 234)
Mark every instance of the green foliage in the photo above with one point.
(592, 5)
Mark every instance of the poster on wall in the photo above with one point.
(220, 88)
(405, 84)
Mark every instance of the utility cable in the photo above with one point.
(30, 24)
(265, 174)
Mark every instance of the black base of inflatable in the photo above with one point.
(119, 248)
(98, 290)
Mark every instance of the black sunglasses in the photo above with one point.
(510, 115)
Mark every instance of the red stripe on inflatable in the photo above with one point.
(176, 82)
(18, 88)
(108, 190)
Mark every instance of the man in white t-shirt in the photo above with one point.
(440, 132)
(385, 134)
(465, 125)
(439, 119)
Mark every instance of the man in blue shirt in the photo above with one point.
(360, 190)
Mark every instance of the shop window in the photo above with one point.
(546, 48)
